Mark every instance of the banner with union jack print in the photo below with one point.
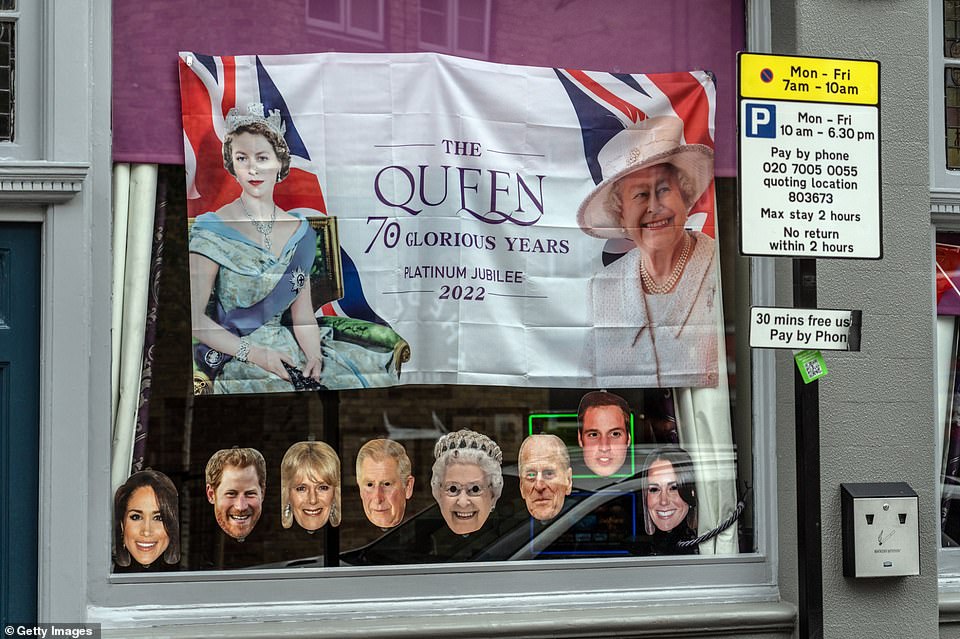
(507, 225)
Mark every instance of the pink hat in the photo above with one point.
(652, 141)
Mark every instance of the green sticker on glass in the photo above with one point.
(811, 365)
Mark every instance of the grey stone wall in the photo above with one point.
(876, 406)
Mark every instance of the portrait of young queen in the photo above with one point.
(254, 320)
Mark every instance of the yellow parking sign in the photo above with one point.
(809, 155)
(781, 77)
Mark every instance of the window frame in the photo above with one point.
(453, 19)
(948, 559)
(344, 27)
(565, 586)
(944, 209)
(242, 595)
(944, 182)
(569, 590)
(28, 110)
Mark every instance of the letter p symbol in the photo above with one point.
(761, 120)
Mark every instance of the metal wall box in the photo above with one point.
(881, 532)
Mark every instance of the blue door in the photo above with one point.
(19, 420)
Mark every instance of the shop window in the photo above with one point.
(948, 365)
(945, 161)
(599, 537)
(599, 518)
(358, 18)
(460, 27)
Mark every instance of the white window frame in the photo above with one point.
(945, 216)
(944, 182)
(737, 594)
(27, 143)
(944, 203)
(452, 44)
(343, 26)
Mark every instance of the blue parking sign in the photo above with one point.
(761, 120)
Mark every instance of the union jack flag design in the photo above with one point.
(607, 103)
(209, 87)
(458, 186)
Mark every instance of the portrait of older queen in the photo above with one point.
(467, 479)
(655, 309)
(310, 486)
(146, 521)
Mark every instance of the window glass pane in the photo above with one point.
(952, 116)
(435, 6)
(8, 5)
(326, 10)
(947, 275)
(470, 27)
(7, 66)
(601, 517)
(950, 475)
(472, 9)
(433, 22)
(470, 36)
(365, 14)
(951, 18)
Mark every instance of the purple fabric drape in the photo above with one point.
(607, 35)
(150, 332)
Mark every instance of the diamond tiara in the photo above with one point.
(235, 119)
(465, 439)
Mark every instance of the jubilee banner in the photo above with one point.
(371, 219)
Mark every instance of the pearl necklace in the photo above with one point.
(659, 289)
(265, 228)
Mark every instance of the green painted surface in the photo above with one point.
(19, 420)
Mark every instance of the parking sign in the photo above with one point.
(761, 120)
(809, 157)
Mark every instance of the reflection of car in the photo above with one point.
(602, 517)
(595, 522)
(950, 521)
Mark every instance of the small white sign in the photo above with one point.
(805, 328)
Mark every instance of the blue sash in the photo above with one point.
(243, 321)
